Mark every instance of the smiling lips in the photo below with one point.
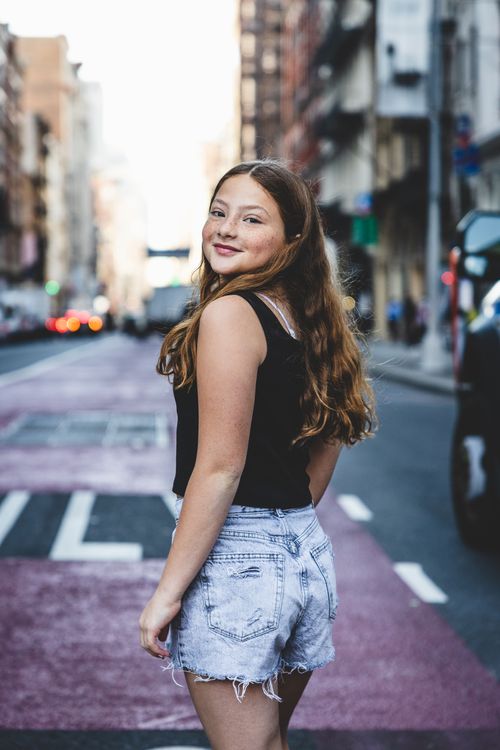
(225, 249)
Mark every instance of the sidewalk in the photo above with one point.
(402, 363)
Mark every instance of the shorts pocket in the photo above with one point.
(243, 593)
(324, 557)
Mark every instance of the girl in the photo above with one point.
(269, 384)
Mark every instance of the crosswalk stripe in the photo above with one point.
(354, 508)
(420, 583)
(169, 499)
(69, 544)
(10, 510)
(161, 431)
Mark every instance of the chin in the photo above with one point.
(225, 268)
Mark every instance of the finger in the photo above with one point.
(143, 639)
(150, 646)
(155, 651)
(154, 648)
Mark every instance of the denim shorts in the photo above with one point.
(263, 603)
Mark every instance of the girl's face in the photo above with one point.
(244, 228)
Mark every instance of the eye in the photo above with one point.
(216, 212)
(252, 220)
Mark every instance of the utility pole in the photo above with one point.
(433, 358)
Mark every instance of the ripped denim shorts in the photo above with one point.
(263, 602)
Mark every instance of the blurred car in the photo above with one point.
(134, 324)
(475, 454)
(17, 323)
(75, 323)
(169, 305)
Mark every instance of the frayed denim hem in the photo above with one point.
(240, 685)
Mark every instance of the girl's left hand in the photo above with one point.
(154, 624)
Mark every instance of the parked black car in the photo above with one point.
(475, 455)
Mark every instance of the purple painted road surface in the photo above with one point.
(71, 658)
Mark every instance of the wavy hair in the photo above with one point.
(338, 401)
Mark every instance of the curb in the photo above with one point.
(426, 381)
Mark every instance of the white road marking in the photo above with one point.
(10, 510)
(420, 583)
(169, 499)
(68, 544)
(48, 363)
(161, 431)
(354, 508)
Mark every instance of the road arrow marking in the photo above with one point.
(10, 510)
(420, 583)
(69, 544)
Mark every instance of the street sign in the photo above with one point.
(364, 230)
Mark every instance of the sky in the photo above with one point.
(167, 71)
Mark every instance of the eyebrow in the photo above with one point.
(243, 208)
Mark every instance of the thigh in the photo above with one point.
(252, 724)
(290, 688)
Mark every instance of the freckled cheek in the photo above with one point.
(207, 232)
(266, 247)
(206, 228)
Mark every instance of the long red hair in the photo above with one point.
(338, 401)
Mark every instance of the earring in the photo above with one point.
(297, 235)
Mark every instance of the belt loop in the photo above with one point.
(279, 512)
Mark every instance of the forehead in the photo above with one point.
(243, 190)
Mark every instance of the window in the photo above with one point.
(247, 45)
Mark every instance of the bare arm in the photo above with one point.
(323, 459)
(231, 346)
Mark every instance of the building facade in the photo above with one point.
(52, 89)
(260, 77)
(328, 134)
(474, 104)
(11, 188)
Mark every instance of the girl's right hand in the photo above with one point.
(154, 624)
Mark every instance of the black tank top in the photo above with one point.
(274, 475)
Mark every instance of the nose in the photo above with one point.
(227, 227)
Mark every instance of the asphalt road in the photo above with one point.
(19, 354)
(403, 478)
(86, 463)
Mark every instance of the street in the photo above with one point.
(87, 440)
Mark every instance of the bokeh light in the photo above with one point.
(95, 323)
(73, 323)
(348, 303)
(52, 287)
(447, 278)
(101, 304)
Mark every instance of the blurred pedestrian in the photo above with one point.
(409, 319)
(269, 385)
(421, 319)
(393, 315)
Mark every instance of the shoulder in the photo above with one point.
(232, 318)
(231, 311)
